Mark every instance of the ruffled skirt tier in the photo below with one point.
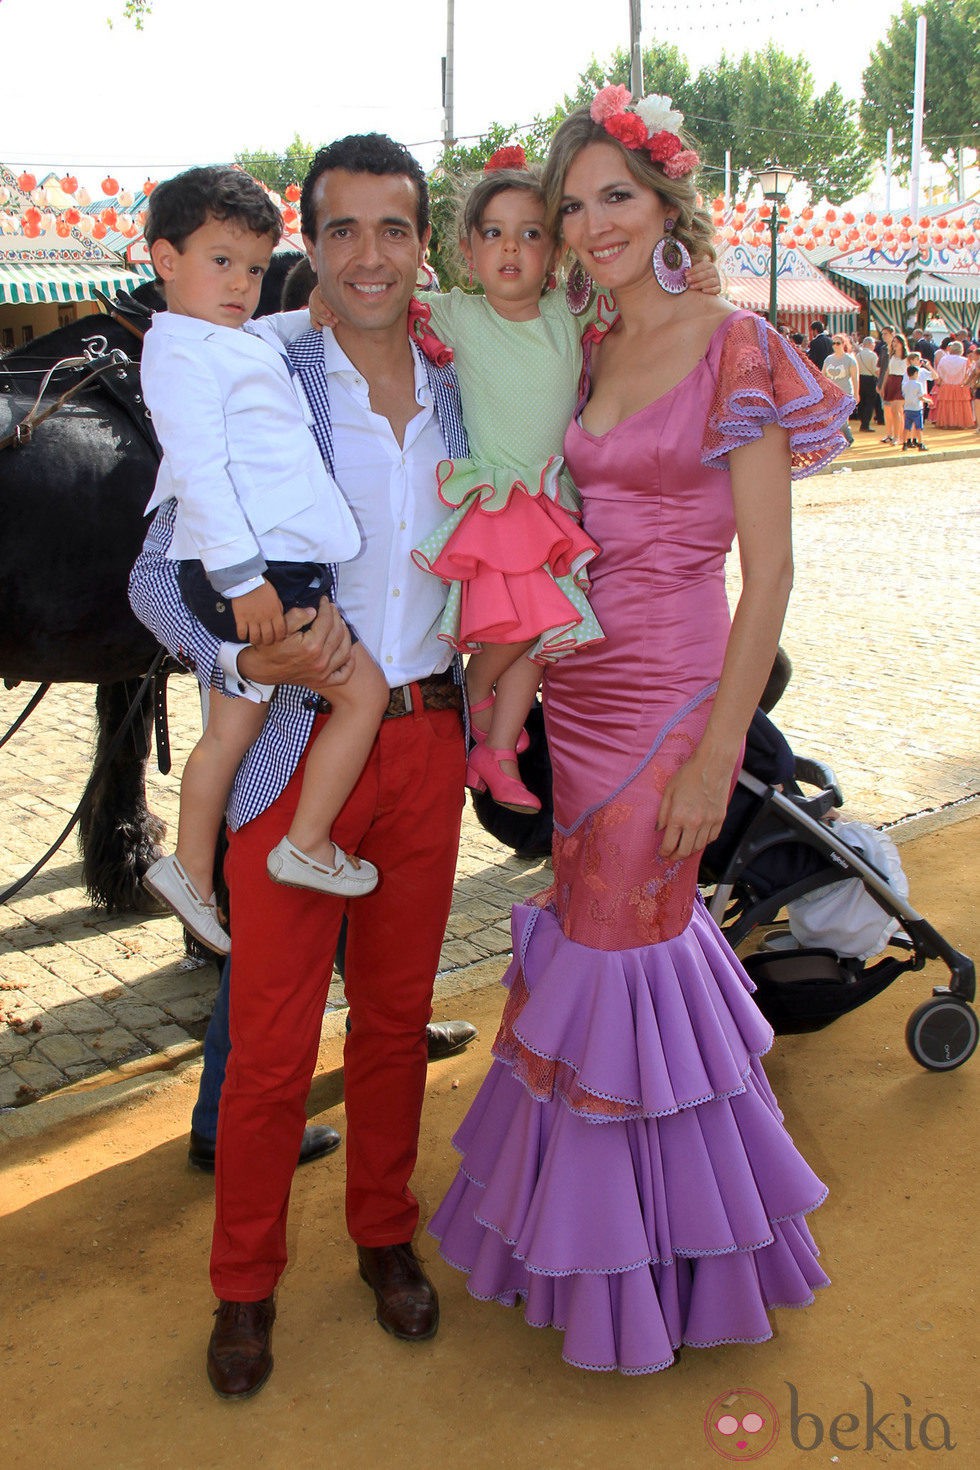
(625, 1169)
(514, 560)
(952, 407)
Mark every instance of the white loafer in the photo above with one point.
(350, 878)
(167, 880)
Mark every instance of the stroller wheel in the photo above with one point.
(942, 1033)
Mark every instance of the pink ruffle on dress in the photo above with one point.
(625, 1169)
(514, 559)
(952, 401)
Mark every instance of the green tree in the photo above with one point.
(952, 78)
(278, 170)
(135, 10)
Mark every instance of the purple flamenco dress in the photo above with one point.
(625, 1169)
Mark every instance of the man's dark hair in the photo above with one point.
(181, 205)
(816, 326)
(364, 153)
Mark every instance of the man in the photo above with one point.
(820, 346)
(383, 418)
(868, 367)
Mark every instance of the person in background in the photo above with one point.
(953, 403)
(820, 344)
(913, 394)
(842, 370)
(867, 364)
(891, 395)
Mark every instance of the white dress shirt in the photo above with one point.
(391, 490)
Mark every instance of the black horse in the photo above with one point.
(71, 525)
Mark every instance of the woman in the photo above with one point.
(891, 391)
(625, 1171)
(842, 370)
(952, 407)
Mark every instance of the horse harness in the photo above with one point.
(110, 370)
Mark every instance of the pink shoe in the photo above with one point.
(483, 773)
(480, 736)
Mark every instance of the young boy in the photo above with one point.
(913, 392)
(259, 520)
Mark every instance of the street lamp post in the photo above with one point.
(775, 181)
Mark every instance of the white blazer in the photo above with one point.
(239, 457)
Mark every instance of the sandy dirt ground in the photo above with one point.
(104, 1234)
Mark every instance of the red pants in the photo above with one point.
(404, 816)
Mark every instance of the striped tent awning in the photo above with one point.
(25, 283)
(818, 297)
(890, 285)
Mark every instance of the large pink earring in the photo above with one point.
(578, 289)
(670, 261)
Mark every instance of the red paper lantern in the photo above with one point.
(937, 237)
(110, 185)
(798, 230)
(848, 218)
(960, 224)
(109, 218)
(809, 243)
(292, 192)
(98, 230)
(71, 216)
(905, 222)
(784, 211)
(806, 213)
(69, 184)
(718, 204)
(886, 219)
(290, 218)
(943, 223)
(889, 235)
(870, 219)
(924, 222)
(741, 206)
(831, 214)
(27, 182)
(148, 186)
(63, 229)
(32, 216)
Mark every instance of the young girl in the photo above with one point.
(512, 549)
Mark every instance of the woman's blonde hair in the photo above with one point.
(693, 225)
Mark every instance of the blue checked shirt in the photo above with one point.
(155, 598)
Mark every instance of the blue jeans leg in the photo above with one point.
(217, 1045)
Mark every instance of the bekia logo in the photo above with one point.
(743, 1425)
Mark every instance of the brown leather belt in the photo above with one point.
(438, 691)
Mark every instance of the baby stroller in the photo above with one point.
(777, 846)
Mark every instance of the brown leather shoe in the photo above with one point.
(239, 1353)
(408, 1306)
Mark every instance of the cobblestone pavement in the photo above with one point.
(882, 635)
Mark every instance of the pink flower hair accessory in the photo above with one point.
(651, 124)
